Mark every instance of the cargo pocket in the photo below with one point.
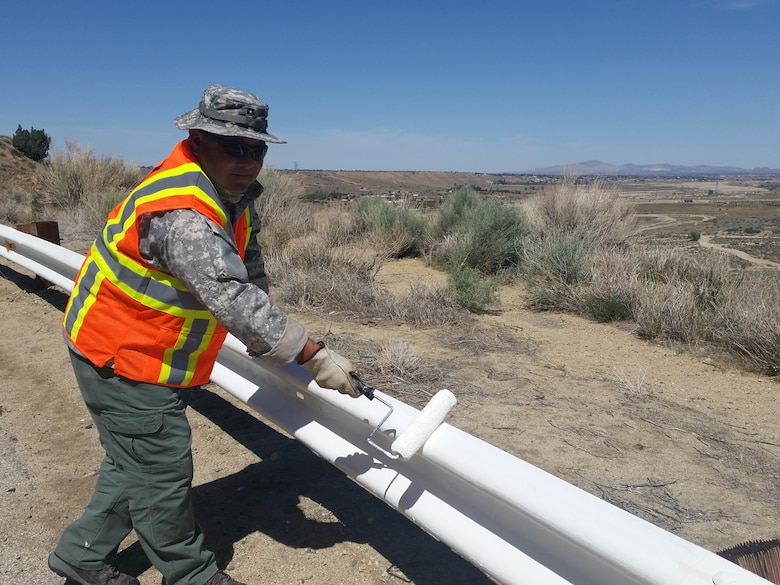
(140, 438)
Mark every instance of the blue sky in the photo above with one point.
(491, 86)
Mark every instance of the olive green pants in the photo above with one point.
(145, 480)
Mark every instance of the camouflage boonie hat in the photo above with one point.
(229, 111)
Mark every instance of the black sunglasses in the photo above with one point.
(239, 149)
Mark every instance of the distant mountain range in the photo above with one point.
(599, 168)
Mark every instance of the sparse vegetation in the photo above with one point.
(485, 235)
(283, 215)
(75, 175)
(573, 246)
(395, 229)
(472, 291)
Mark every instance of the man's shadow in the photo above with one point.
(265, 497)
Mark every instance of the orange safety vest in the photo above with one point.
(130, 314)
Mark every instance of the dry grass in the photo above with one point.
(73, 176)
(425, 306)
(400, 360)
(283, 215)
(316, 262)
(593, 212)
(747, 321)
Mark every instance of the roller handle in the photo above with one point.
(363, 388)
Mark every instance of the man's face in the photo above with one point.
(228, 160)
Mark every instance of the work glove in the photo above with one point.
(331, 370)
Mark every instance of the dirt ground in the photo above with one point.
(684, 441)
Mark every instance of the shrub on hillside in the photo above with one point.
(592, 212)
(610, 294)
(747, 321)
(484, 235)
(317, 277)
(75, 175)
(283, 214)
(18, 206)
(32, 143)
(667, 311)
(555, 268)
(473, 291)
(425, 306)
(396, 230)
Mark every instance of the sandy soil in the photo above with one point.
(684, 441)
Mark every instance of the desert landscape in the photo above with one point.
(679, 436)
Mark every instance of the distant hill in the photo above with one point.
(603, 169)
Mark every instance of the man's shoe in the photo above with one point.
(106, 576)
(222, 578)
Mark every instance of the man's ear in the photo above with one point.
(196, 137)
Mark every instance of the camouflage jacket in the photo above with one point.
(200, 254)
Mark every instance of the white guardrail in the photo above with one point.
(517, 523)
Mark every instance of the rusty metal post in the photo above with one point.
(46, 230)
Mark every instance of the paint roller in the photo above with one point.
(408, 443)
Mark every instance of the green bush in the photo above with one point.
(484, 235)
(321, 196)
(397, 230)
(604, 308)
(554, 269)
(452, 213)
(32, 143)
(694, 236)
(473, 292)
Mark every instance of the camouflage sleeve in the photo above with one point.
(201, 255)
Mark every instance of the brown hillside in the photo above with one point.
(412, 182)
(16, 170)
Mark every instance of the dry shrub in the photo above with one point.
(311, 275)
(611, 292)
(332, 223)
(667, 311)
(593, 212)
(747, 321)
(443, 248)
(316, 277)
(677, 295)
(75, 175)
(283, 214)
(87, 220)
(19, 206)
(425, 306)
(400, 360)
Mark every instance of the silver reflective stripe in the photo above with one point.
(85, 284)
(180, 358)
(115, 227)
(146, 286)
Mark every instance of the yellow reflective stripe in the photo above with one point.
(172, 173)
(248, 224)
